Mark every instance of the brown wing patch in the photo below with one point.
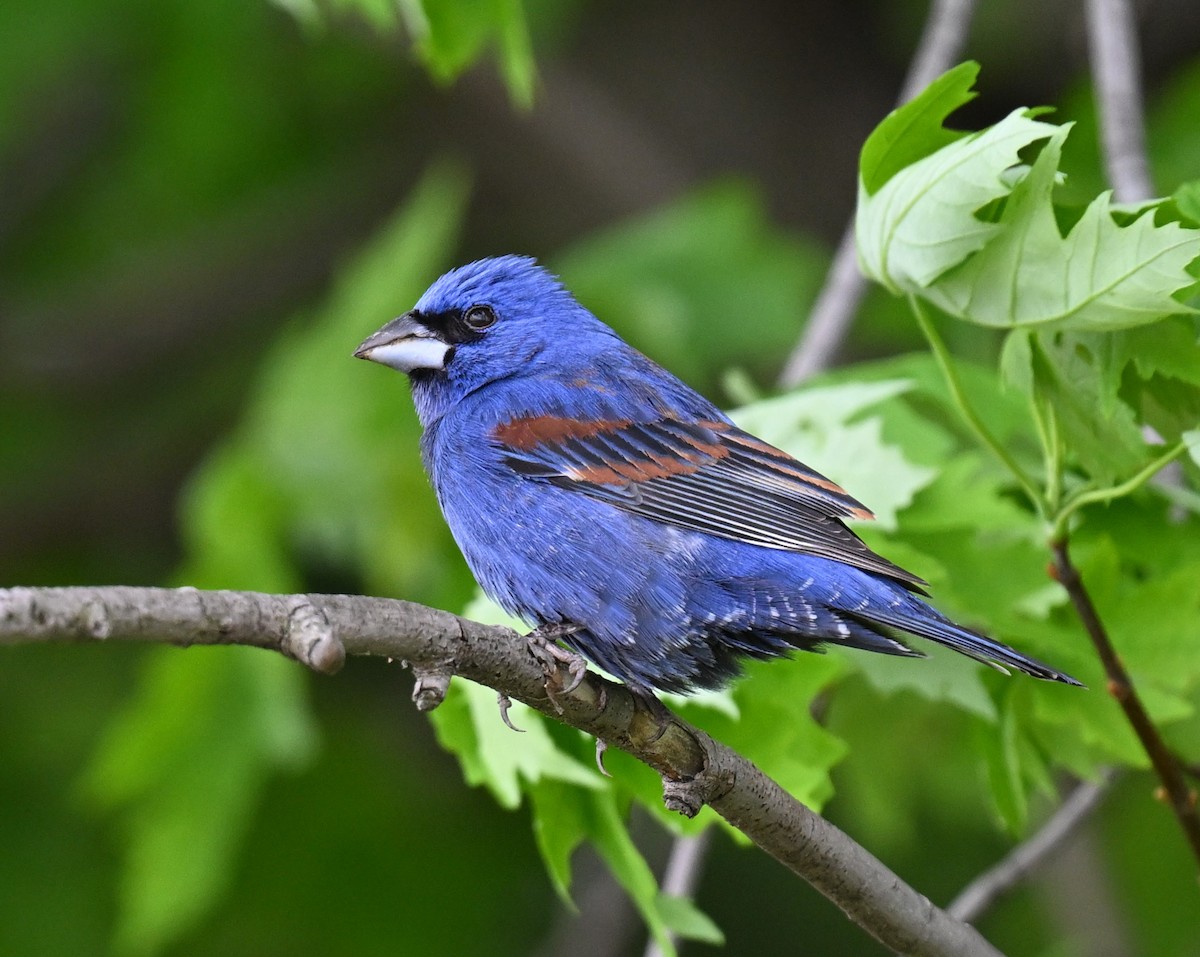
(531, 431)
(613, 451)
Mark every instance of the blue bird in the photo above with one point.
(599, 498)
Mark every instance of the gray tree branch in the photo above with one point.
(942, 41)
(320, 630)
(1116, 75)
(682, 875)
(1022, 860)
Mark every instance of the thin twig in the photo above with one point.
(682, 876)
(1022, 860)
(1175, 790)
(832, 314)
(695, 769)
(942, 41)
(1116, 75)
(943, 38)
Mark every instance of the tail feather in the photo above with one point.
(965, 641)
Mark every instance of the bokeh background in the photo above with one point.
(186, 189)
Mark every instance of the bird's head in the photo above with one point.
(488, 320)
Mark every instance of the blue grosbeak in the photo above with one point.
(595, 495)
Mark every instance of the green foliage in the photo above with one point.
(921, 221)
(449, 36)
(1103, 349)
(705, 279)
(188, 756)
(928, 224)
(1073, 302)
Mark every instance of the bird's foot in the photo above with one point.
(542, 643)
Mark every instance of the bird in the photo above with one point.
(607, 504)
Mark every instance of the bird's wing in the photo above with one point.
(707, 476)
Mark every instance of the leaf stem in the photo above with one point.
(942, 355)
(1046, 420)
(1132, 484)
(1175, 790)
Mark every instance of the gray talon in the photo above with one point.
(505, 702)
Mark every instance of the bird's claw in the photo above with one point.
(542, 643)
(601, 748)
(505, 702)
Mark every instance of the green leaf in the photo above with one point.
(560, 824)
(1187, 201)
(943, 675)
(969, 492)
(914, 130)
(516, 53)
(1100, 430)
(306, 11)
(499, 758)
(1016, 361)
(777, 730)
(1101, 275)
(455, 33)
(611, 838)
(1169, 348)
(1150, 612)
(469, 725)
(450, 36)
(1156, 370)
(1192, 439)
(183, 766)
(688, 921)
(565, 816)
(381, 14)
(1003, 755)
(923, 221)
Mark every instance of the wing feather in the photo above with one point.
(708, 477)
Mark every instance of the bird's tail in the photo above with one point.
(970, 643)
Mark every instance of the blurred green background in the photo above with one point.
(203, 208)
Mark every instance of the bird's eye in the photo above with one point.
(479, 318)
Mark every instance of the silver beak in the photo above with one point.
(405, 344)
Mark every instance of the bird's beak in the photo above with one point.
(405, 344)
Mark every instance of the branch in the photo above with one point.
(1022, 860)
(682, 875)
(320, 629)
(1116, 75)
(1174, 788)
(942, 41)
